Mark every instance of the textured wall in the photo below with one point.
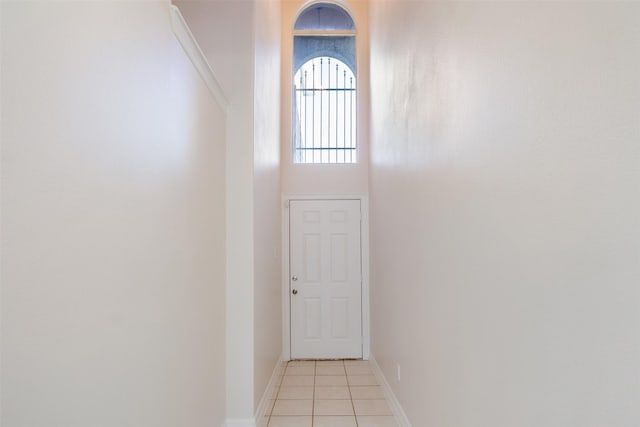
(113, 218)
(267, 284)
(224, 30)
(506, 211)
(241, 40)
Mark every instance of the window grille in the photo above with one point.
(325, 112)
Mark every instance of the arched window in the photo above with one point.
(324, 125)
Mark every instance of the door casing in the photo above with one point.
(286, 331)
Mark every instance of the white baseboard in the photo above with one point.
(270, 392)
(258, 419)
(396, 408)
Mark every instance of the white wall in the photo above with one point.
(113, 186)
(505, 164)
(224, 30)
(323, 178)
(241, 41)
(266, 181)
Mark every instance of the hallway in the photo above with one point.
(329, 394)
(147, 169)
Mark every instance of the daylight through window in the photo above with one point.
(324, 93)
(325, 112)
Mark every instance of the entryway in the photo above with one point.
(325, 279)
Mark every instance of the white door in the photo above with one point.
(325, 279)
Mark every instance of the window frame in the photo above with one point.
(328, 33)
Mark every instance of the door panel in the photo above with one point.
(339, 254)
(325, 279)
(339, 318)
(311, 258)
(312, 318)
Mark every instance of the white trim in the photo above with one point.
(366, 301)
(193, 51)
(271, 391)
(286, 313)
(340, 3)
(286, 298)
(269, 394)
(325, 33)
(392, 400)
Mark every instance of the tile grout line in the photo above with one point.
(353, 406)
(313, 395)
(278, 393)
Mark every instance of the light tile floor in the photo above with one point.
(329, 394)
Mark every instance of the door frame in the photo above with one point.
(364, 248)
